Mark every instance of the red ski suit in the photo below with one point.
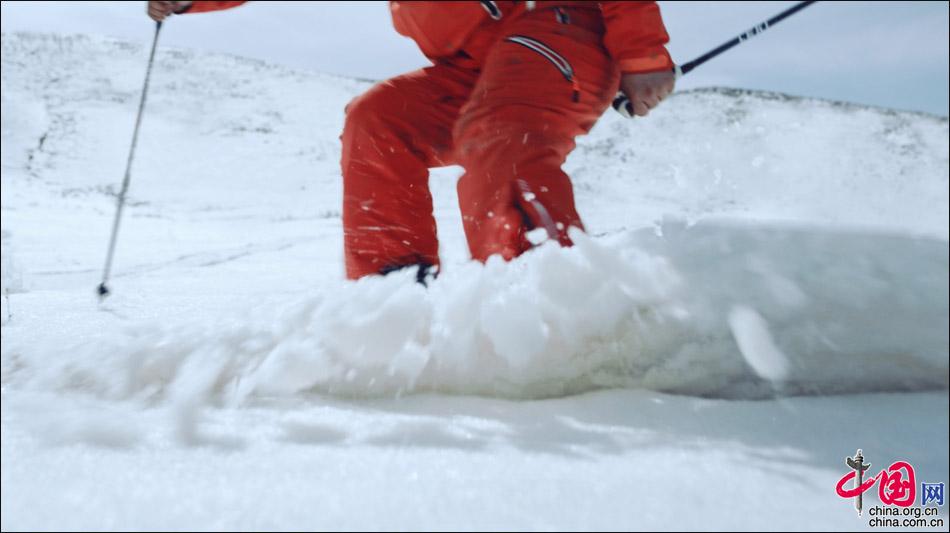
(512, 85)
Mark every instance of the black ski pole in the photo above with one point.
(103, 290)
(622, 104)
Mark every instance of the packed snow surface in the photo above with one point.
(763, 290)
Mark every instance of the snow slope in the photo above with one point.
(765, 290)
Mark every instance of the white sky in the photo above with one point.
(892, 54)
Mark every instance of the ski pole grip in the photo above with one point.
(621, 102)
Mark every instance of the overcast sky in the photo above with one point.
(892, 54)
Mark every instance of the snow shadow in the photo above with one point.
(773, 435)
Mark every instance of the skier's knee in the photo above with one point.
(371, 107)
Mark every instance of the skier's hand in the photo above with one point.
(647, 90)
(158, 10)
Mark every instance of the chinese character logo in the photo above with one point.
(931, 492)
(897, 484)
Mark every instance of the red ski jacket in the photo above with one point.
(635, 35)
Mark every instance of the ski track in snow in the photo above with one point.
(762, 269)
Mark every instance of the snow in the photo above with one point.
(755, 342)
(764, 289)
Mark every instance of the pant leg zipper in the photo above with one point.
(556, 59)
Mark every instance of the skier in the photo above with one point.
(511, 85)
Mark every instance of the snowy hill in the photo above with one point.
(764, 273)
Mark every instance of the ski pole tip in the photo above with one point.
(102, 291)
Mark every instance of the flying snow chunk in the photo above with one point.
(537, 236)
(751, 332)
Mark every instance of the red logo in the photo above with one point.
(897, 484)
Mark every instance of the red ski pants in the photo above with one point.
(509, 118)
